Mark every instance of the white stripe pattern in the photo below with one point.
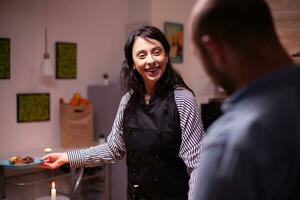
(114, 149)
(192, 132)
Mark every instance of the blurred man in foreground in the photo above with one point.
(253, 150)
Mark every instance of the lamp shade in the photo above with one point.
(47, 68)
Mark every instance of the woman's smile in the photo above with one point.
(152, 72)
(150, 60)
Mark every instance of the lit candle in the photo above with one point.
(53, 191)
(47, 150)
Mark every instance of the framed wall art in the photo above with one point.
(174, 33)
(33, 107)
(4, 58)
(66, 60)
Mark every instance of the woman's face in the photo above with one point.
(150, 60)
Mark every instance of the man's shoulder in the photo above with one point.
(236, 125)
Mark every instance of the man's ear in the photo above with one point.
(214, 49)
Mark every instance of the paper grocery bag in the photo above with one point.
(76, 125)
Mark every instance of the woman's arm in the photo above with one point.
(192, 132)
(109, 152)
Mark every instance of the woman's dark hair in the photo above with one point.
(131, 80)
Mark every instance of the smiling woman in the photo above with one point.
(150, 61)
(99, 29)
(157, 125)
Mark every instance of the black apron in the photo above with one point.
(152, 136)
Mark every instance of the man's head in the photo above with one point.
(231, 35)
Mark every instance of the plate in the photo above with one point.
(7, 164)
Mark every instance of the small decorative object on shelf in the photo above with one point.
(105, 77)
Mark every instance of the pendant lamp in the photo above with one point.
(47, 68)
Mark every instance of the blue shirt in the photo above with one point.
(253, 150)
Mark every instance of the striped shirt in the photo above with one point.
(114, 149)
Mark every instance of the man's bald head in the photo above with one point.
(240, 23)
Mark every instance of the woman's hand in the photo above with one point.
(54, 160)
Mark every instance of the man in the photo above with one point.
(252, 151)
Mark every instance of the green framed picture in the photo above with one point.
(33, 107)
(4, 58)
(66, 60)
(174, 34)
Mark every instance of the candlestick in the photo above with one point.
(53, 191)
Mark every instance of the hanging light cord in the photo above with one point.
(46, 54)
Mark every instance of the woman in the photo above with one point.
(157, 126)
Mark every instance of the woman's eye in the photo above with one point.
(157, 52)
(141, 56)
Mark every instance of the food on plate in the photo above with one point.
(17, 160)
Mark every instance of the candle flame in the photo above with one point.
(47, 150)
(53, 185)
